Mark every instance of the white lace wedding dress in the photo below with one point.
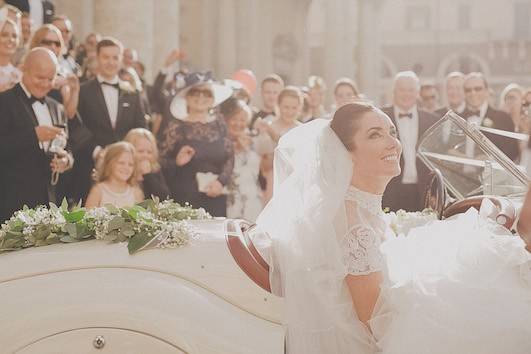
(455, 286)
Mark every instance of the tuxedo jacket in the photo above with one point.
(97, 128)
(25, 172)
(394, 196)
(502, 121)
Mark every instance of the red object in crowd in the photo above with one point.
(247, 78)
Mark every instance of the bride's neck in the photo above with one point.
(369, 184)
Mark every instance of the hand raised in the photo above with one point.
(185, 155)
(46, 132)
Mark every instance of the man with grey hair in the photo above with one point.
(406, 191)
(29, 123)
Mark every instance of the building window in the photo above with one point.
(463, 17)
(417, 17)
(522, 21)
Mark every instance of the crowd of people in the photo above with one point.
(79, 121)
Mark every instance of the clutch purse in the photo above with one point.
(204, 179)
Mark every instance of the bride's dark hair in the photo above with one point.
(345, 121)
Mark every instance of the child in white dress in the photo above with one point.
(117, 182)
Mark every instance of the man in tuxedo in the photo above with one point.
(429, 98)
(270, 89)
(478, 111)
(407, 190)
(108, 107)
(27, 119)
(455, 94)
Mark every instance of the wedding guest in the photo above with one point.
(27, 119)
(244, 200)
(197, 155)
(87, 49)
(290, 103)
(109, 108)
(150, 176)
(269, 89)
(306, 112)
(129, 57)
(455, 94)
(429, 98)
(345, 91)
(117, 183)
(9, 38)
(407, 190)
(67, 62)
(511, 102)
(317, 88)
(41, 11)
(66, 87)
(478, 111)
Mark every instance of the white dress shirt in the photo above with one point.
(476, 120)
(111, 95)
(36, 13)
(408, 131)
(42, 112)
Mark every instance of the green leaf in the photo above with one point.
(74, 216)
(127, 230)
(116, 223)
(138, 241)
(64, 204)
(112, 236)
(71, 229)
(42, 232)
(112, 208)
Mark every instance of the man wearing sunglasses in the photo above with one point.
(478, 111)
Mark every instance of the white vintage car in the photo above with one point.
(93, 297)
(212, 295)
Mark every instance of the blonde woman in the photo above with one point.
(9, 40)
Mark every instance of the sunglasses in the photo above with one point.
(50, 42)
(476, 89)
(200, 92)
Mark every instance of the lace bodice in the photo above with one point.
(365, 232)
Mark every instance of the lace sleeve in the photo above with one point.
(169, 145)
(361, 251)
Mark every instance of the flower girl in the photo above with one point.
(116, 178)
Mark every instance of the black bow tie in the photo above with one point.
(34, 99)
(116, 86)
(405, 115)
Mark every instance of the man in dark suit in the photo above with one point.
(40, 11)
(455, 94)
(27, 119)
(478, 111)
(108, 107)
(407, 190)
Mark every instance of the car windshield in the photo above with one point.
(469, 162)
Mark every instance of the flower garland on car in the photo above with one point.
(402, 221)
(150, 224)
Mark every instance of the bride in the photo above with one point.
(453, 286)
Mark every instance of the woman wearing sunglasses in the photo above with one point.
(66, 87)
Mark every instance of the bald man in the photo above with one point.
(27, 119)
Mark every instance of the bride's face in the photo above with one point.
(376, 151)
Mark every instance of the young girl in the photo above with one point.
(150, 177)
(117, 180)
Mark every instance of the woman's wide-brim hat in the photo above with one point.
(184, 82)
